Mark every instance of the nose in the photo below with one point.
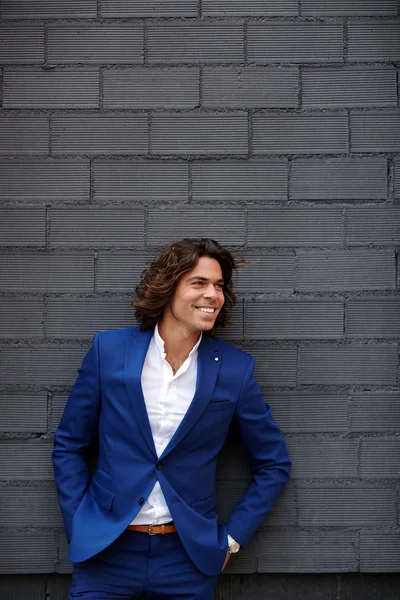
(210, 291)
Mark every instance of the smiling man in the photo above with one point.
(155, 402)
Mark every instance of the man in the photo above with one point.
(156, 402)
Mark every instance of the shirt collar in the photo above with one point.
(161, 346)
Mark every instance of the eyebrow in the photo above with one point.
(203, 279)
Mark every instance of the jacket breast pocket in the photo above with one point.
(102, 495)
(206, 505)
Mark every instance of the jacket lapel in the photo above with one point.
(208, 364)
(135, 353)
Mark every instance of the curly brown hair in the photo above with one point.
(158, 282)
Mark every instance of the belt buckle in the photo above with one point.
(150, 531)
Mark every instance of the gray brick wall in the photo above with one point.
(271, 125)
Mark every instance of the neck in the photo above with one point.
(178, 341)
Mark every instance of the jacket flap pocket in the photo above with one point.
(205, 505)
(219, 405)
(101, 494)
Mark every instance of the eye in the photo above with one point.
(220, 286)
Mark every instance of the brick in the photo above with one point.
(386, 559)
(251, 87)
(266, 273)
(63, 565)
(198, 41)
(19, 552)
(294, 42)
(38, 88)
(348, 8)
(366, 226)
(274, 366)
(23, 226)
(234, 329)
(375, 132)
(309, 412)
(287, 319)
(96, 226)
(348, 365)
(323, 457)
(21, 318)
(39, 365)
(120, 271)
(26, 460)
(44, 180)
(375, 411)
(40, 272)
(380, 458)
(97, 43)
(254, 8)
(28, 587)
(232, 466)
(284, 511)
(58, 402)
(348, 87)
(280, 227)
(151, 87)
(22, 43)
(42, 9)
(82, 317)
(149, 8)
(30, 507)
(308, 552)
(232, 479)
(316, 133)
(23, 134)
(238, 180)
(373, 40)
(23, 411)
(339, 179)
(168, 224)
(199, 133)
(345, 506)
(134, 181)
(378, 318)
(100, 134)
(229, 493)
(345, 270)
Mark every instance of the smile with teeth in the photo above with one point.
(206, 310)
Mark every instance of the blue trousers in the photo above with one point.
(137, 566)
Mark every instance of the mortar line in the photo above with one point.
(95, 265)
(45, 42)
(345, 40)
(201, 74)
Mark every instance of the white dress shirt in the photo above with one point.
(167, 398)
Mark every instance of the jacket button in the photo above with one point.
(141, 501)
(159, 465)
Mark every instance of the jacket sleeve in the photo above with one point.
(75, 435)
(266, 451)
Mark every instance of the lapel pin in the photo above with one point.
(216, 358)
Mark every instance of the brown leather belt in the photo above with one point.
(154, 529)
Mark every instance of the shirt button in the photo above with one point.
(159, 465)
(141, 501)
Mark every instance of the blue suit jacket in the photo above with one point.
(106, 406)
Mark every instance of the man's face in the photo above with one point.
(198, 297)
